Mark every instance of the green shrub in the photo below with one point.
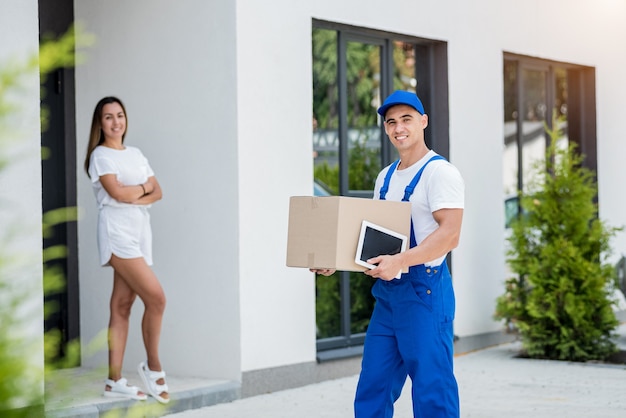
(560, 302)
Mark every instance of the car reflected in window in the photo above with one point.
(511, 210)
(320, 189)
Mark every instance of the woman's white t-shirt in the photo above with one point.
(129, 165)
(123, 228)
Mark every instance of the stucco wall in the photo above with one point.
(174, 68)
(275, 157)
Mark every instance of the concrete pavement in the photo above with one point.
(493, 383)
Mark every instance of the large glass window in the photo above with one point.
(353, 69)
(540, 94)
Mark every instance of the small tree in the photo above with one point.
(560, 302)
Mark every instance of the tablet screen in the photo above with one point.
(376, 240)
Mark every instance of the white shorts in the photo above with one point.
(124, 232)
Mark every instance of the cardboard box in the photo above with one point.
(324, 231)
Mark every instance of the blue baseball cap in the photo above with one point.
(401, 97)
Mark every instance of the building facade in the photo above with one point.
(219, 96)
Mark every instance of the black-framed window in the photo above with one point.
(354, 69)
(540, 93)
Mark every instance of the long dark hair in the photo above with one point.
(96, 136)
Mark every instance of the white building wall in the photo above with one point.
(174, 68)
(20, 187)
(275, 160)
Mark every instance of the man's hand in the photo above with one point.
(323, 272)
(388, 267)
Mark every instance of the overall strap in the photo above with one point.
(385, 188)
(408, 191)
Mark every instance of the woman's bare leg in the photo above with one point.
(122, 299)
(140, 278)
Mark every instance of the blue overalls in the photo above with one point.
(410, 333)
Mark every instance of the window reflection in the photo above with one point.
(533, 129)
(541, 91)
(404, 74)
(363, 90)
(328, 306)
(510, 152)
(560, 105)
(325, 110)
(350, 148)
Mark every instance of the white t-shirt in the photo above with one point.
(129, 165)
(440, 187)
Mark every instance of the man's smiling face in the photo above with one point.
(405, 126)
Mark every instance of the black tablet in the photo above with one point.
(375, 240)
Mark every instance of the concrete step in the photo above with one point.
(77, 393)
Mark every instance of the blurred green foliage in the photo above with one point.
(21, 380)
(21, 385)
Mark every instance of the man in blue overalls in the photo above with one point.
(410, 332)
